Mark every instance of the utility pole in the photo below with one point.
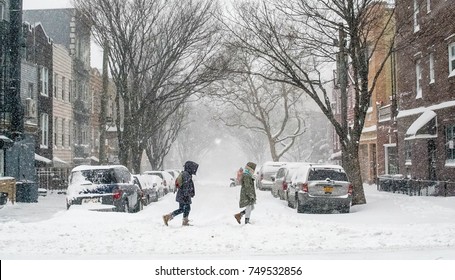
(104, 100)
(343, 81)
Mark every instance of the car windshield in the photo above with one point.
(323, 174)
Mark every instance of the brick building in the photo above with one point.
(426, 89)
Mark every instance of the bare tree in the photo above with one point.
(252, 144)
(159, 52)
(261, 106)
(297, 39)
(160, 143)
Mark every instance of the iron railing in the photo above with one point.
(415, 187)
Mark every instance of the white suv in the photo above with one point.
(320, 188)
(265, 174)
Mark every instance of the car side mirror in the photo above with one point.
(273, 178)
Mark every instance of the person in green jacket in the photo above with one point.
(247, 193)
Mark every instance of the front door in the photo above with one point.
(431, 160)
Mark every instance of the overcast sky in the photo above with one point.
(45, 4)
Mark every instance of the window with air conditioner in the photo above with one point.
(30, 93)
(30, 108)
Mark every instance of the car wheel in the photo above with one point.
(345, 209)
(289, 202)
(300, 208)
(232, 185)
(139, 206)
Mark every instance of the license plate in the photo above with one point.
(92, 200)
(328, 189)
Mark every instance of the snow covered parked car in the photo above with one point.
(168, 180)
(151, 187)
(283, 178)
(320, 188)
(104, 187)
(268, 169)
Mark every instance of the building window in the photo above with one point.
(452, 59)
(55, 131)
(63, 132)
(391, 159)
(70, 125)
(55, 86)
(431, 68)
(407, 152)
(63, 89)
(30, 91)
(416, 15)
(450, 145)
(428, 6)
(44, 81)
(70, 90)
(2, 11)
(418, 80)
(44, 130)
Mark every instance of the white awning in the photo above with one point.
(5, 142)
(59, 162)
(42, 159)
(4, 138)
(423, 127)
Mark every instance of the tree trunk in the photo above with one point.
(351, 164)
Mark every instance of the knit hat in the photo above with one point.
(251, 165)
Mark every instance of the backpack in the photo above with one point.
(179, 181)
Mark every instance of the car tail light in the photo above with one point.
(350, 189)
(285, 185)
(304, 187)
(117, 194)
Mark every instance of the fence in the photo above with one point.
(415, 187)
(53, 178)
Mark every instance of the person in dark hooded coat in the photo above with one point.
(184, 194)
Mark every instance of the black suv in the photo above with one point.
(108, 187)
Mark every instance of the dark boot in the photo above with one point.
(185, 222)
(247, 221)
(167, 218)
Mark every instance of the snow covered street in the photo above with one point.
(389, 226)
